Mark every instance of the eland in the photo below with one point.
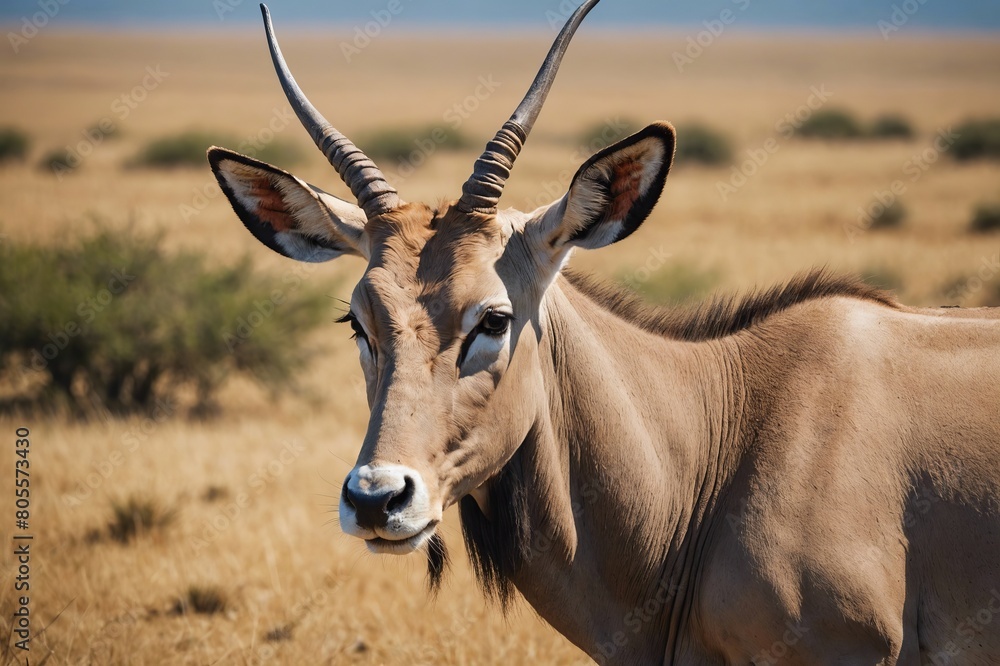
(806, 475)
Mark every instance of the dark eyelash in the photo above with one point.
(349, 318)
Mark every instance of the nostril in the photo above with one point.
(403, 497)
(345, 495)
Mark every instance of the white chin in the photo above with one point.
(382, 546)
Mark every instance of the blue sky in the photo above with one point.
(857, 15)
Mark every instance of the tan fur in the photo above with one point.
(807, 475)
(796, 486)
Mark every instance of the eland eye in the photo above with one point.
(495, 322)
(359, 331)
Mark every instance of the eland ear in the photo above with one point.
(286, 214)
(613, 192)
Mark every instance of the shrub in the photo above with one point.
(206, 600)
(104, 129)
(977, 139)
(281, 633)
(889, 217)
(14, 145)
(831, 124)
(675, 284)
(114, 322)
(986, 218)
(135, 517)
(697, 143)
(59, 161)
(599, 136)
(883, 278)
(891, 126)
(407, 144)
(188, 149)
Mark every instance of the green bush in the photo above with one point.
(599, 136)
(986, 218)
(697, 143)
(14, 145)
(673, 284)
(891, 126)
(889, 217)
(112, 321)
(881, 277)
(977, 139)
(188, 149)
(59, 161)
(831, 124)
(413, 145)
(104, 128)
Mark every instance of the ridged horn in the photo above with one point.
(369, 186)
(481, 193)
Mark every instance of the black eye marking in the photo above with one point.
(494, 323)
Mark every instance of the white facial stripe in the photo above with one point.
(298, 247)
(366, 352)
(485, 349)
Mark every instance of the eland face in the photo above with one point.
(446, 316)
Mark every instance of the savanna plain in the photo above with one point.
(246, 563)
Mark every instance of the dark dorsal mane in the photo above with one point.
(723, 315)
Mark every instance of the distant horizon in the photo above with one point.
(883, 18)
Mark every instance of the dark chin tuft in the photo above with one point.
(437, 562)
(499, 547)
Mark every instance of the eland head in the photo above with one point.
(446, 314)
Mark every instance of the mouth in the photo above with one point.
(405, 546)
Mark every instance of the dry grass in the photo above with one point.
(252, 491)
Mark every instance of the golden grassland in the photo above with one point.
(251, 492)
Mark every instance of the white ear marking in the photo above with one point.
(287, 214)
(611, 194)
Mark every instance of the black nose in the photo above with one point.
(374, 504)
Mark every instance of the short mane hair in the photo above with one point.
(723, 315)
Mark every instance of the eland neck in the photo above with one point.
(614, 490)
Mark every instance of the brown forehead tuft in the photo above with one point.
(417, 235)
(411, 222)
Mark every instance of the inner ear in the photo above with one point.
(285, 213)
(615, 190)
